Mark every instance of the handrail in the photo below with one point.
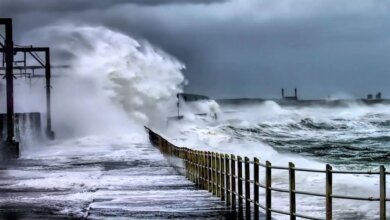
(216, 172)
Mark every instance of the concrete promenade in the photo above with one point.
(100, 179)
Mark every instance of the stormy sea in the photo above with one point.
(349, 137)
(115, 85)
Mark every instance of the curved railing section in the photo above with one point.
(229, 177)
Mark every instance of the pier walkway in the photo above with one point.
(99, 179)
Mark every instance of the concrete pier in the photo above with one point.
(99, 179)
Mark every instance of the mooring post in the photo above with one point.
(256, 181)
(328, 193)
(233, 180)
(227, 180)
(239, 182)
(268, 191)
(291, 170)
(382, 185)
(247, 189)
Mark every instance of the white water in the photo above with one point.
(113, 81)
(116, 84)
(113, 87)
(255, 130)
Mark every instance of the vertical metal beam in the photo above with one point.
(49, 131)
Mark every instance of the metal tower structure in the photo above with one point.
(9, 50)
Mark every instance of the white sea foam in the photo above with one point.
(116, 84)
(250, 131)
(112, 81)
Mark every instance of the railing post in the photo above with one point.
(199, 164)
(218, 173)
(186, 163)
(222, 165)
(268, 191)
(382, 185)
(291, 171)
(329, 189)
(239, 182)
(196, 167)
(205, 180)
(247, 189)
(209, 171)
(256, 187)
(215, 189)
(191, 167)
(233, 180)
(204, 169)
(227, 180)
(190, 164)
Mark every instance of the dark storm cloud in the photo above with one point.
(248, 47)
(24, 6)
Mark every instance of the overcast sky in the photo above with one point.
(245, 48)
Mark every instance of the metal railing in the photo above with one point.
(229, 177)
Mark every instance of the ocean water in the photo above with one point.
(116, 84)
(349, 137)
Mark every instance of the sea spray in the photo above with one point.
(350, 137)
(113, 81)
